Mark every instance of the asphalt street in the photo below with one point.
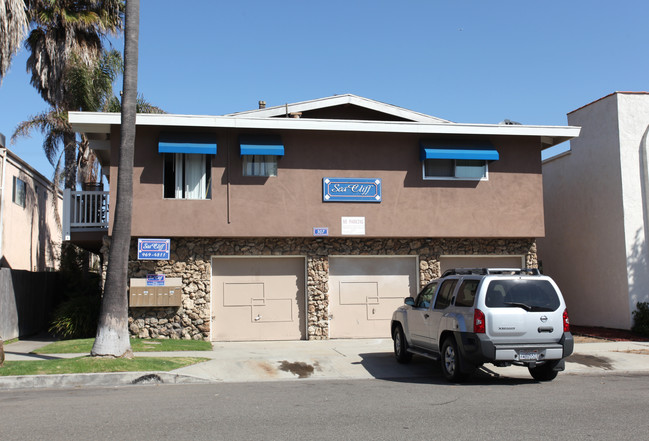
(571, 407)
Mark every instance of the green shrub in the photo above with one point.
(76, 317)
(641, 319)
(77, 312)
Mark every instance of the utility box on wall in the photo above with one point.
(143, 294)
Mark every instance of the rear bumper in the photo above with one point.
(477, 349)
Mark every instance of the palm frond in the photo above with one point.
(89, 86)
(52, 124)
(143, 106)
(112, 105)
(67, 32)
(13, 29)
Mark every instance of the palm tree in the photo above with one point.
(54, 125)
(90, 88)
(141, 104)
(13, 29)
(67, 32)
(90, 85)
(112, 332)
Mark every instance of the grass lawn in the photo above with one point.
(84, 345)
(93, 365)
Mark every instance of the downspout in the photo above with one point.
(2, 190)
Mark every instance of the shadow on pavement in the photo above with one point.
(420, 370)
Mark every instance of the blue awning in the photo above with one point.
(261, 145)
(480, 151)
(197, 143)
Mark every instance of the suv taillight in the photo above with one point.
(566, 321)
(479, 322)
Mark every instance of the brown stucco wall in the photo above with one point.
(508, 204)
(191, 261)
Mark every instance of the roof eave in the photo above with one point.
(98, 122)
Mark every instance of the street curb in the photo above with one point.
(97, 379)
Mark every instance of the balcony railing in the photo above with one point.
(84, 211)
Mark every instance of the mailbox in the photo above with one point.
(167, 293)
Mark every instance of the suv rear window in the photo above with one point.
(531, 295)
(466, 294)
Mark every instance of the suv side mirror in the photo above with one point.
(409, 301)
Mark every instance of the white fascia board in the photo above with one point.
(93, 122)
(90, 122)
(338, 100)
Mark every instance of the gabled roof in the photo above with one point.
(335, 101)
(395, 120)
(97, 126)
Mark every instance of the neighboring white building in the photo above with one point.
(30, 238)
(597, 212)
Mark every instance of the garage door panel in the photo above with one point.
(273, 310)
(241, 294)
(365, 291)
(382, 309)
(357, 293)
(258, 299)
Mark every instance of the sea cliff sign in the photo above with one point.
(153, 249)
(351, 190)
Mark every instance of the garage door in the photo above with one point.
(257, 298)
(365, 291)
(449, 262)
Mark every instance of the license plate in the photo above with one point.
(528, 355)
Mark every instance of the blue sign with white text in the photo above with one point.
(320, 231)
(153, 249)
(351, 190)
(155, 280)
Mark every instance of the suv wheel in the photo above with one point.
(400, 345)
(452, 361)
(544, 372)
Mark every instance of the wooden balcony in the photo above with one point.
(85, 218)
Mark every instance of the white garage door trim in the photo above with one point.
(304, 322)
(412, 271)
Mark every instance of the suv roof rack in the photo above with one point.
(486, 271)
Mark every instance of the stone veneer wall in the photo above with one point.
(191, 261)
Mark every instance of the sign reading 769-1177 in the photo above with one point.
(153, 249)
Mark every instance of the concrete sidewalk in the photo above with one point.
(321, 359)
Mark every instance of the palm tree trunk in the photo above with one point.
(112, 332)
(70, 158)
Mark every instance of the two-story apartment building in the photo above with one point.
(314, 220)
(30, 237)
(597, 212)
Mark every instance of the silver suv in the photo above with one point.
(473, 316)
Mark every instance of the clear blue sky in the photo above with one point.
(470, 61)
